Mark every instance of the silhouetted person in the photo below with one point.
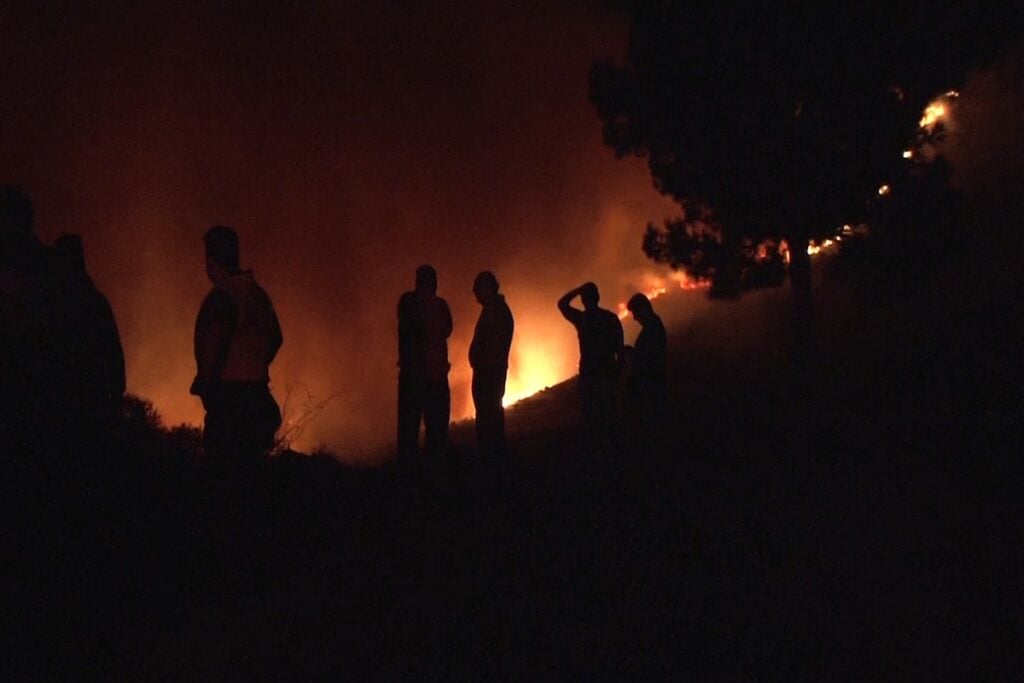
(647, 381)
(42, 487)
(95, 359)
(424, 325)
(647, 386)
(237, 335)
(30, 360)
(488, 356)
(601, 347)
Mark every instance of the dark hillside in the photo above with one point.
(857, 522)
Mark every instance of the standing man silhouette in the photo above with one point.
(92, 374)
(424, 325)
(96, 378)
(488, 356)
(31, 395)
(601, 349)
(237, 335)
(647, 386)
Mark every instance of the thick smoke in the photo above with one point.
(985, 145)
(347, 146)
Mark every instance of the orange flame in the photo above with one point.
(535, 369)
(932, 113)
(815, 247)
(937, 109)
(659, 286)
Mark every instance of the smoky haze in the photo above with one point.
(347, 146)
(985, 140)
(984, 143)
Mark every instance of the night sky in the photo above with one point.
(347, 145)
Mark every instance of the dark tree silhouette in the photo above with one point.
(770, 123)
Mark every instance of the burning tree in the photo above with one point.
(774, 126)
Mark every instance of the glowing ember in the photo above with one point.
(859, 230)
(687, 282)
(814, 247)
(908, 154)
(937, 109)
(932, 113)
(884, 190)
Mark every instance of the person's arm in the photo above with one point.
(620, 354)
(405, 316)
(215, 324)
(474, 345)
(448, 319)
(410, 337)
(568, 312)
(114, 352)
(277, 337)
(507, 328)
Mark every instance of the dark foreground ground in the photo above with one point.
(853, 515)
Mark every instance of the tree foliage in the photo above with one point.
(771, 123)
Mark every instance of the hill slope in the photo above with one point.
(815, 517)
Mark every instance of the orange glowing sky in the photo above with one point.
(347, 146)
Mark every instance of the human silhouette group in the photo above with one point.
(63, 374)
(62, 370)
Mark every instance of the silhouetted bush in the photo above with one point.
(186, 441)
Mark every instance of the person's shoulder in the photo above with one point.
(407, 301)
(218, 299)
(259, 290)
(97, 298)
(439, 305)
(216, 294)
(610, 317)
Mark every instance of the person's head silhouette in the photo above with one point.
(641, 308)
(485, 287)
(222, 253)
(426, 280)
(589, 296)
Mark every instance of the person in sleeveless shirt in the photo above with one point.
(237, 336)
